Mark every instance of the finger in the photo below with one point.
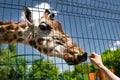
(92, 60)
(93, 55)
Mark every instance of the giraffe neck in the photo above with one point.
(12, 33)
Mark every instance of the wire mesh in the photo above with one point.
(92, 24)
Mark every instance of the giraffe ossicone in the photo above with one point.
(45, 34)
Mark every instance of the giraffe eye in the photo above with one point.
(44, 27)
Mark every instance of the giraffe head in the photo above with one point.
(45, 34)
(50, 38)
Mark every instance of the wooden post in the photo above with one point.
(92, 76)
(99, 75)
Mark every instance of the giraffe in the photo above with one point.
(45, 35)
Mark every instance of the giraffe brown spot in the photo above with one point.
(40, 41)
(51, 50)
(32, 42)
(20, 33)
(9, 32)
(2, 30)
(16, 28)
(40, 49)
(5, 37)
(35, 46)
(20, 40)
(10, 40)
(10, 27)
(14, 36)
(23, 27)
(45, 50)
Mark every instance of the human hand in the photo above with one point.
(96, 59)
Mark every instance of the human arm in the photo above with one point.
(97, 60)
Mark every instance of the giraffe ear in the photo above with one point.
(27, 13)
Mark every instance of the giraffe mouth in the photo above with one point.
(75, 59)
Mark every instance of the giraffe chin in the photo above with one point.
(75, 59)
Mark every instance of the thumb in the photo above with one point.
(92, 59)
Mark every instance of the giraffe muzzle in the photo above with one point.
(75, 59)
(81, 58)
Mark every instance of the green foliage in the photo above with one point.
(8, 70)
(71, 75)
(111, 59)
(67, 75)
(108, 58)
(43, 70)
(15, 67)
(82, 68)
(80, 72)
(12, 48)
(93, 68)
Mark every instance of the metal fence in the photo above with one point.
(93, 24)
